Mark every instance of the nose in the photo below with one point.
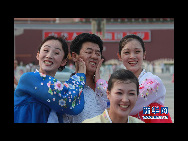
(125, 98)
(94, 55)
(132, 55)
(49, 55)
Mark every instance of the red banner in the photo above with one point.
(109, 36)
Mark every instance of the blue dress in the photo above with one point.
(37, 93)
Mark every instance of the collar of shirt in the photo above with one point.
(108, 117)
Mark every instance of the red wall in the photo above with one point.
(161, 46)
(26, 45)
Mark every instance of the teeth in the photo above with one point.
(123, 106)
(132, 62)
(47, 62)
(92, 63)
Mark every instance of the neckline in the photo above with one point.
(142, 73)
(108, 117)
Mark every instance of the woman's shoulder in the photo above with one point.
(33, 76)
(29, 75)
(150, 78)
(150, 75)
(93, 120)
(134, 120)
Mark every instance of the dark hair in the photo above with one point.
(123, 75)
(63, 42)
(76, 44)
(128, 38)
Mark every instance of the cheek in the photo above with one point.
(140, 59)
(133, 100)
(40, 57)
(84, 56)
(115, 99)
(58, 59)
(125, 60)
(140, 56)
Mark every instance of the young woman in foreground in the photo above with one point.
(123, 89)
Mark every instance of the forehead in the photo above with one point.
(90, 45)
(124, 85)
(52, 43)
(133, 44)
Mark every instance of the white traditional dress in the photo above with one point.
(151, 94)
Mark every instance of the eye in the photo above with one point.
(119, 93)
(57, 53)
(132, 94)
(126, 52)
(88, 52)
(45, 50)
(98, 54)
(138, 51)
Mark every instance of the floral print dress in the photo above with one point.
(38, 94)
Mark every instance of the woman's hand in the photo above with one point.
(97, 73)
(80, 66)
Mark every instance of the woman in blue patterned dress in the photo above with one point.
(39, 96)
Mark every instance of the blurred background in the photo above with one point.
(157, 33)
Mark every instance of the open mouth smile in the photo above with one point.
(47, 62)
(124, 107)
(133, 63)
(92, 63)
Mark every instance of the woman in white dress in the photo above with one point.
(151, 97)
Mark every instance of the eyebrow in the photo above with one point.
(47, 46)
(132, 90)
(128, 48)
(122, 90)
(50, 47)
(92, 49)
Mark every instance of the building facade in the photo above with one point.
(158, 38)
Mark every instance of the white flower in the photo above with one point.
(58, 85)
(42, 75)
(75, 77)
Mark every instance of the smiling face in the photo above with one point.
(51, 57)
(123, 97)
(91, 55)
(132, 56)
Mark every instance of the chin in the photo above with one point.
(91, 70)
(133, 69)
(48, 69)
(123, 114)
